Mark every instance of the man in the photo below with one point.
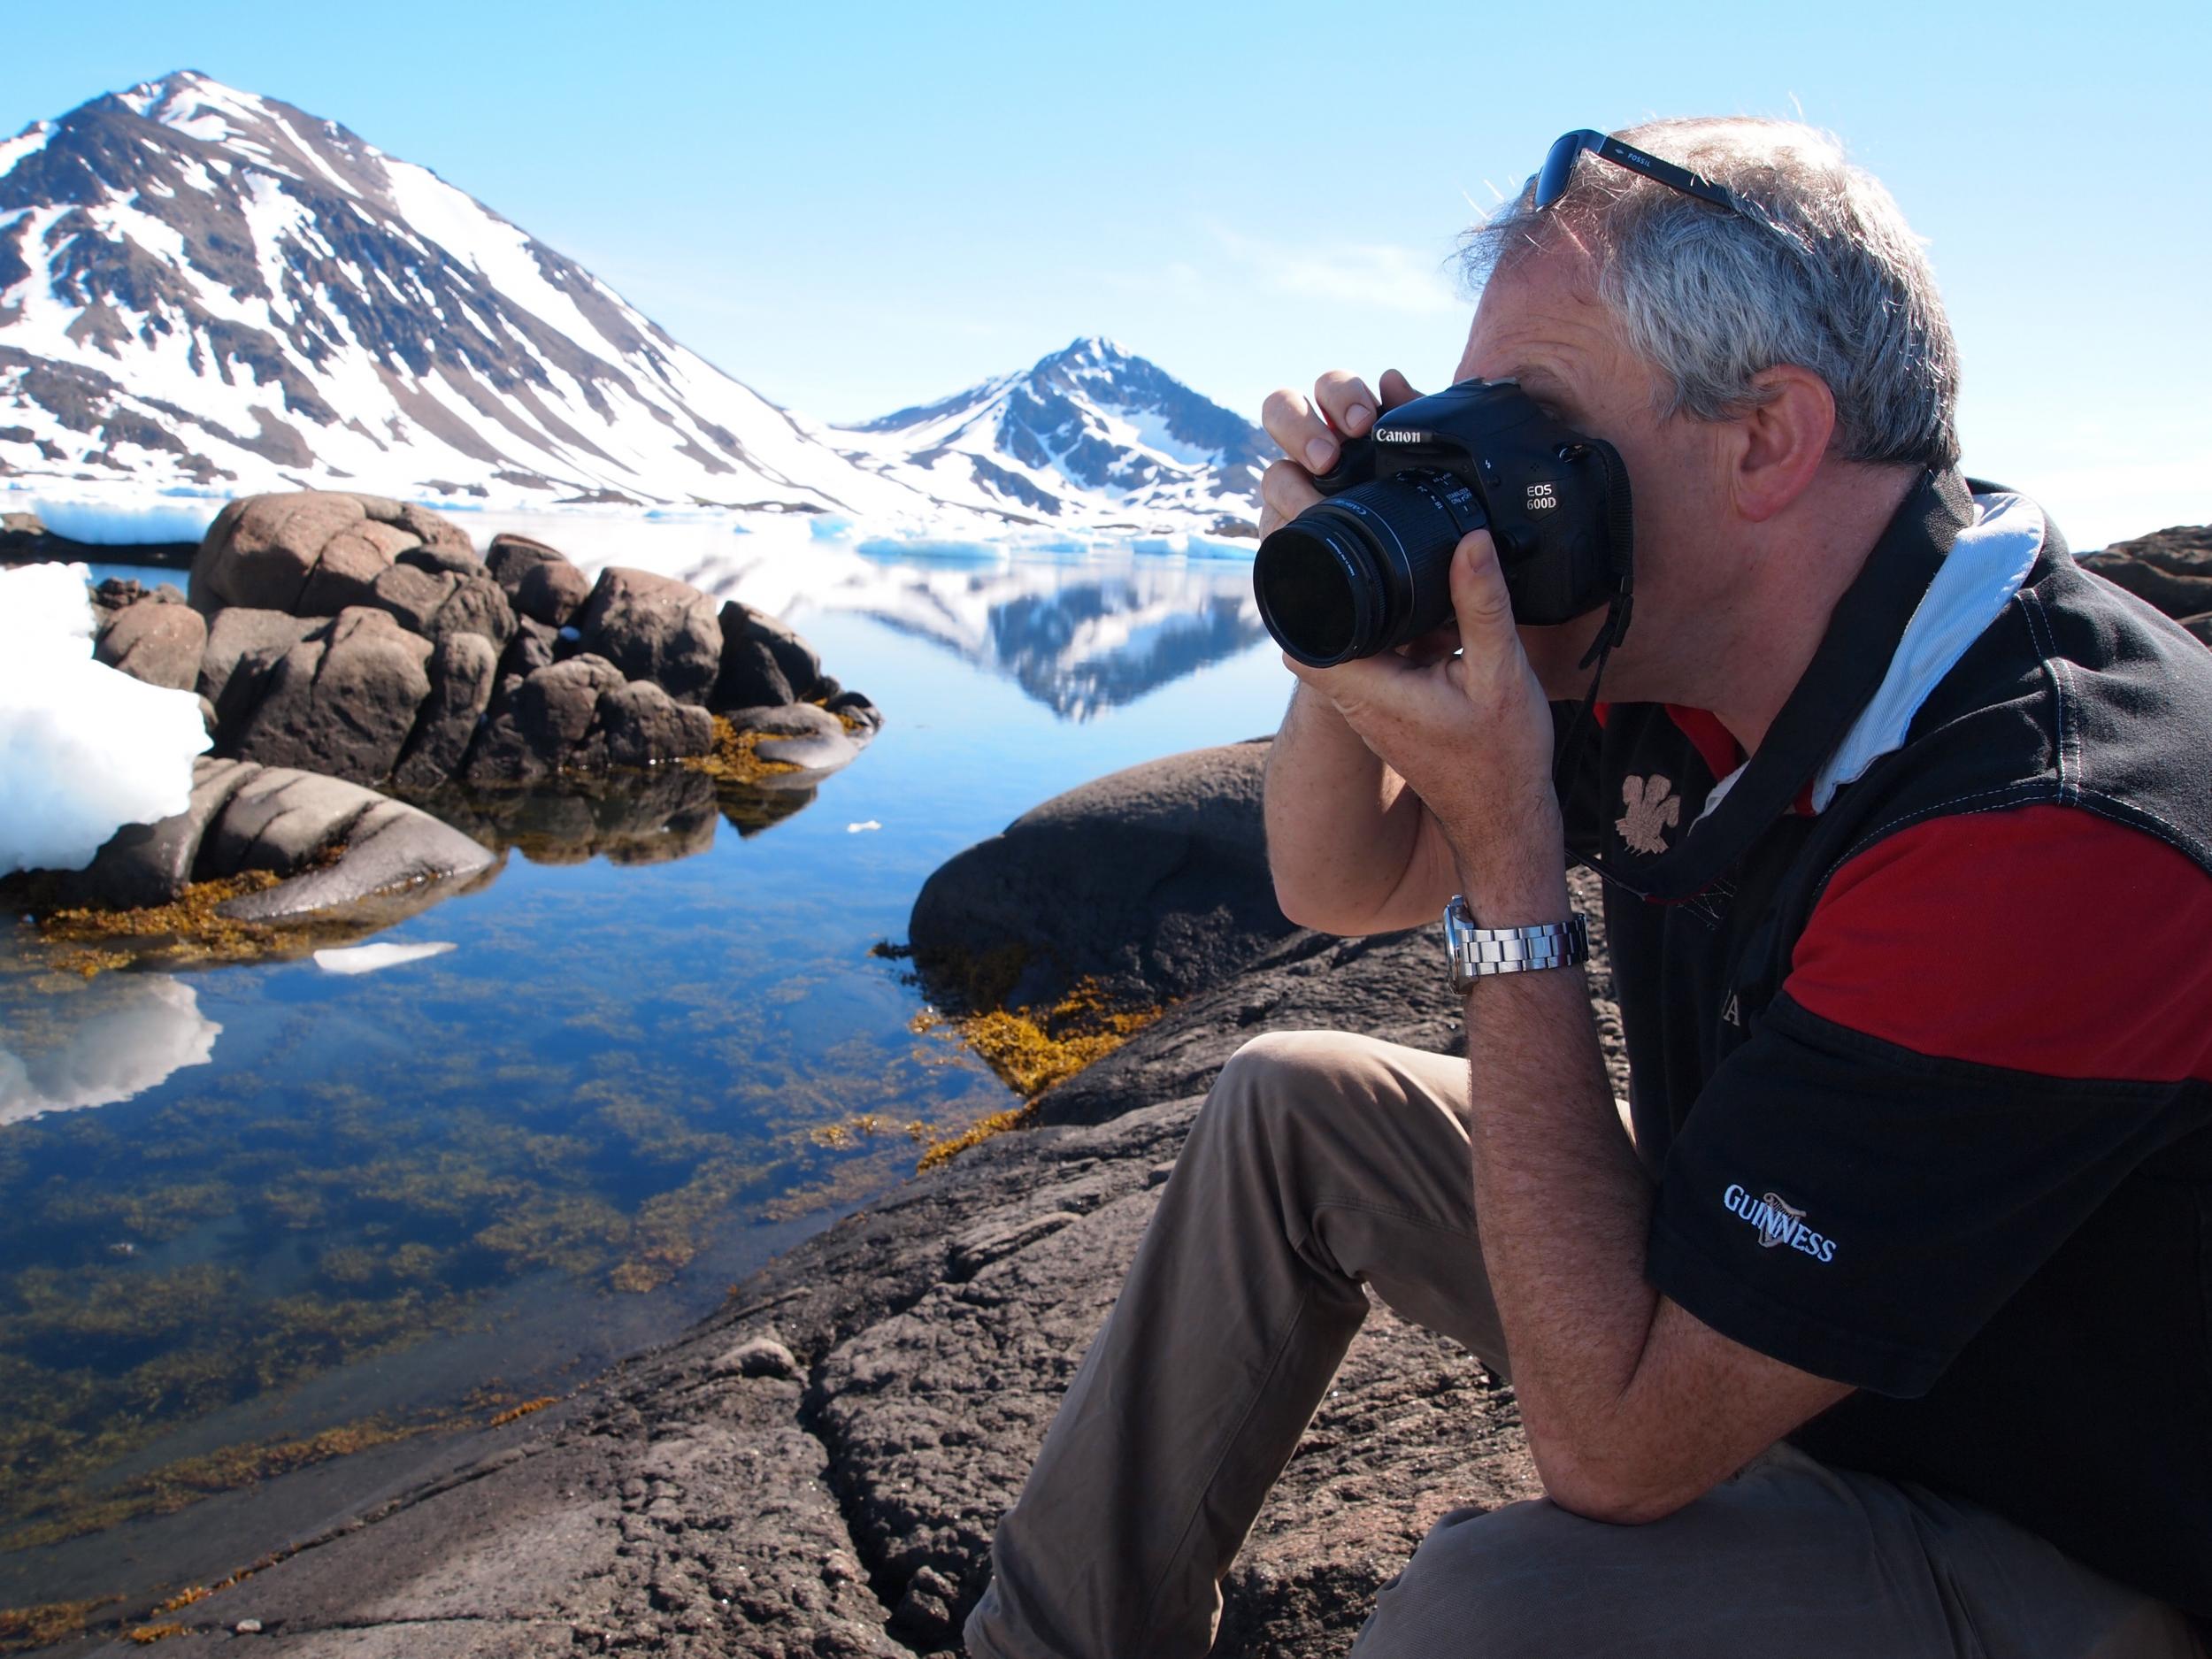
(1890, 1333)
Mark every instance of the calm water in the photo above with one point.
(256, 1202)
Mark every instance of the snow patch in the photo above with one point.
(84, 748)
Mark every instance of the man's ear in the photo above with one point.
(1782, 441)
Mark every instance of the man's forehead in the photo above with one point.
(1541, 321)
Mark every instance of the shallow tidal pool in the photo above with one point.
(253, 1217)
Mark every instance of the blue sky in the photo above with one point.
(859, 206)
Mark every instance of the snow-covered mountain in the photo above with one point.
(204, 289)
(1091, 435)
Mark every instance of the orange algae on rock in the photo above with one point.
(734, 758)
(1030, 1048)
(188, 929)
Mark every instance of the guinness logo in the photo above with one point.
(1779, 1223)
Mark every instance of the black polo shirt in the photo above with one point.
(1919, 1017)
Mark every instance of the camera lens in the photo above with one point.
(1366, 570)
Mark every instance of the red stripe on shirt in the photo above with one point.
(2043, 938)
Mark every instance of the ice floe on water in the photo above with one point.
(369, 958)
(115, 1038)
(84, 748)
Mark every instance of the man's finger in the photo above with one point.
(1344, 399)
(1297, 427)
(1396, 389)
(1479, 599)
(1286, 488)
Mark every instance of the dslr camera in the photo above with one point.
(1369, 569)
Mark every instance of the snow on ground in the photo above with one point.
(84, 748)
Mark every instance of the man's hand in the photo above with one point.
(1311, 434)
(1472, 734)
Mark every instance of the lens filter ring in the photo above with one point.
(1317, 588)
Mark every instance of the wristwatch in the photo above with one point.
(1475, 951)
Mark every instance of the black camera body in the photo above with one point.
(1369, 568)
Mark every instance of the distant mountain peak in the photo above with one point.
(1091, 433)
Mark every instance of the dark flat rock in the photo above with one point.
(1152, 881)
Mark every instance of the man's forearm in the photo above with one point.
(1341, 826)
(1562, 1202)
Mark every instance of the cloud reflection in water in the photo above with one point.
(116, 1037)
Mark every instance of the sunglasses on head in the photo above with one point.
(1553, 177)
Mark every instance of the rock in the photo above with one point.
(437, 602)
(448, 561)
(762, 1356)
(2186, 549)
(792, 719)
(432, 529)
(801, 668)
(1153, 882)
(545, 725)
(345, 572)
(343, 701)
(243, 646)
(150, 864)
(278, 819)
(510, 558)
(390, 847)
(260, 548)
(2176, 593)
(158, 642)
(644, 726)
(654, 627)
(853, 706)
(749, 677)
(462, 669)
(825, 752)
(531, 649)
(2202, 626)
(553, 592)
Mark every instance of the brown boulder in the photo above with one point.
(510, 558)
(260, 548)
(343, 701)
(654, 627)
(462, 669)
(434, 603)
(268, 551)
(243, 644)
(2178, 592)
(553, 593)
(346, 571)
(644, 726)
(749, 677)
(549, 722)
(158, 642)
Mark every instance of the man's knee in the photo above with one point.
(1506, 1583)
(1276, 1076)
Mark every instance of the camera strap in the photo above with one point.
(1845, 672)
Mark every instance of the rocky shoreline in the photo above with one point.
(817, 1469)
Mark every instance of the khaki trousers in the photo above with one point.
(1322, 1161)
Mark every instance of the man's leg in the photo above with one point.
(1320, 1161)
(1789, 1558)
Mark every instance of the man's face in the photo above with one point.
(1541, 323)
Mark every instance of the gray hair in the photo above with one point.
(1833, 281)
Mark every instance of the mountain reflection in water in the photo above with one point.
(1080, 637)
